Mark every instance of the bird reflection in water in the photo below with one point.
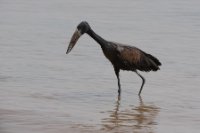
(140, 119)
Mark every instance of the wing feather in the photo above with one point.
(132, 58)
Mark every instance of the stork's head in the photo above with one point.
(82, 28)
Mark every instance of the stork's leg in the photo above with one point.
(117, 74)
(143, 81)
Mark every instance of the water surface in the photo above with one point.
(43, 90)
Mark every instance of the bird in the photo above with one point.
(121, 56)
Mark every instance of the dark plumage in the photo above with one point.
(122, 57)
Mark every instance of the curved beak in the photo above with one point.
(73, 41)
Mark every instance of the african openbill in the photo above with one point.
(122, 57)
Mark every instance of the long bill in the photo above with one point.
(73, 40)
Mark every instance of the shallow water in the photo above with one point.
(43, 90)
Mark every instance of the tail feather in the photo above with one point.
(149, 63)
(154, 59)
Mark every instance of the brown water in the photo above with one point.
(43, 90)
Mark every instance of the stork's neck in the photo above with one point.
(97, 38)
